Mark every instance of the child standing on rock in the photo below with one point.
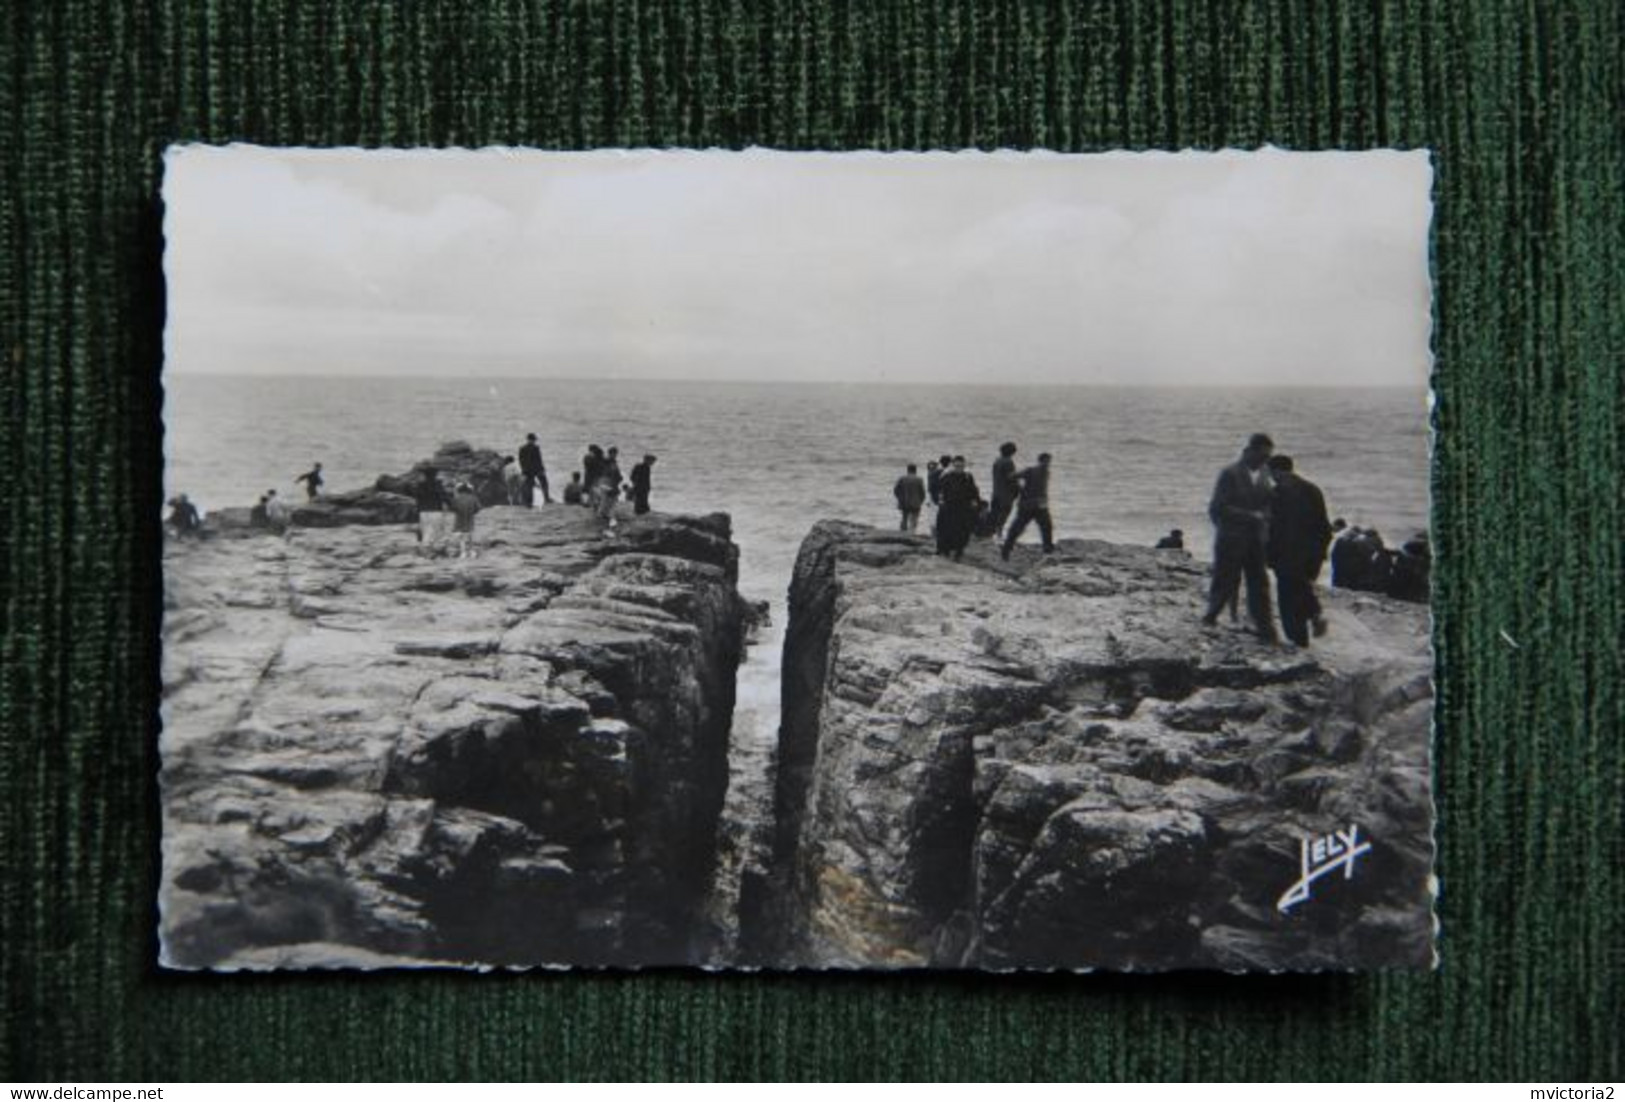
(464, 506)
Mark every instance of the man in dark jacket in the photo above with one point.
(910, 494)
(433, 501)
(640, 485)
(591, 464)
(312, 480)
(1240, 511)
(933, 478)
(1033, 486)
(1299, 535)
(532, 471)
(1006, 487)
(184, 516)
(961, 502)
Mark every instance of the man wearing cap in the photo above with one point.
(1299, 535)
(961, 502)
(1033, 486)
(640, 485)
(532, 471)
(1240, 511)
(1006, 487)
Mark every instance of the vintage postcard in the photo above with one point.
(789, 560)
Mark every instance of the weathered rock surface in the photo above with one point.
(1051, 764)
(371, 756)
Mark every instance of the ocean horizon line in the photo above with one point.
(1001, 384)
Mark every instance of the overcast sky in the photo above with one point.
(1165, 269)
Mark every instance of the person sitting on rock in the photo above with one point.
(258, 516)
(464, 506)
(1173, 541)
(184, 517)
(574, 494)
(1411, 569)
(312, 480)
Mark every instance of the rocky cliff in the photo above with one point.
(1050, 763)
(370, 756)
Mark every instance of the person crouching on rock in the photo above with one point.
(464, 507)
(432, 504)
(184, 517)
(961, 502)
(574, 494)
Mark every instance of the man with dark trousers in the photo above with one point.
(640, 485)
(933, 478)
(1006, 488)
(909, 491)
(532, 471)
(1034, 505)
(1300, 533)
(1240, 511)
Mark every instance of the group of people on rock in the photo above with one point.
(598, 486)
(437, 503)
(1361, 561)
(1266, 516)
(961, 510)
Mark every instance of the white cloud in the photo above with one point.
(1255, 268)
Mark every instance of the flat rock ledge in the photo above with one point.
(371, 757)
(1050, 763)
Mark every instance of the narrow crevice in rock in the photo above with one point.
(375, 757)
(1049, 763)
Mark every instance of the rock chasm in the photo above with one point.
(1050, 763)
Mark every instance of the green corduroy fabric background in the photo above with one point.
(1524, 104)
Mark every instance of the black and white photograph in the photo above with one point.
(755, 559)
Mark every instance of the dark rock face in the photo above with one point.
(454, 462)
(371, 757)
(355, 507)
(1050, 764)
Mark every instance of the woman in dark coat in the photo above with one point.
(961, 503)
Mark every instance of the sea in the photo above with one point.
(1130, 464)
